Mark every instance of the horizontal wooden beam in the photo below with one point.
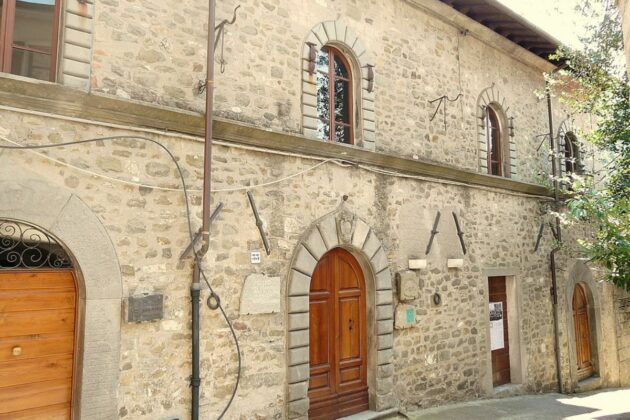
(59, 100)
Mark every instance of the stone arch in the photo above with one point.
(580, 273)
(341, 36)
(340, 228)
(492, 96)
(55, 210)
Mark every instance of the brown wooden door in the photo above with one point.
(37, 325)
(338, 341)
(582, 333)
(500, 356)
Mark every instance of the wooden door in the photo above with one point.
(582, 333)
(501, 355)
(37, 325)
(338, 341)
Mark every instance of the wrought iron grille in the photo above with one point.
(25, 246)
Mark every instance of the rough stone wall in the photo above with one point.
(441, 359)
(417, 57)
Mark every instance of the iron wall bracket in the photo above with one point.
(434, 232)
(259, 223)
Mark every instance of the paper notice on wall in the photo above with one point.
(496, 326)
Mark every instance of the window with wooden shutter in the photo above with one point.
(494, 134)
(334, 96)
(29, 37)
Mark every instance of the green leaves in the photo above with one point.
(596, 82)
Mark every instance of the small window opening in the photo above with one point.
(334, 96)
(28, 37)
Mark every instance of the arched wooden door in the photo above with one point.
(338, 341)
(582, 333)
(38, 307)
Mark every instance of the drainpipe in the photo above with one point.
(552, 254)
(195, 287)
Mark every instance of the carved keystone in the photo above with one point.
(345, 227)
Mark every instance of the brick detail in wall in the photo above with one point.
(340, 35)
(492, 96)
(319, 239)
(75, 52)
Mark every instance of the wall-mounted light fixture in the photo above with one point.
(370, 77)
(312, 55)
(482, 118)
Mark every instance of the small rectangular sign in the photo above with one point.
(411, 316)
(496, 326)
(255, 257)
(145, 308)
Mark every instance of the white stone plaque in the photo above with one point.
(496, 326)
(261, 295)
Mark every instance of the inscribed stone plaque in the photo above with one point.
(261, 295)
(408, 288)
(145, 308)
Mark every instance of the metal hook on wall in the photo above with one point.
(442, 101)
(220, 36)
(220, 28)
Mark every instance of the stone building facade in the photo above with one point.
(118, 209)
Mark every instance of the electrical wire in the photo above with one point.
(265, 184)
(157, 187)
(188, 220)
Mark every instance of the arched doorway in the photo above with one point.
(29, 199)
(38, 318)
(584, 354)
(338, 337)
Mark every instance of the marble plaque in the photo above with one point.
(261, 295)
(145, 308)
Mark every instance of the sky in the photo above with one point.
(556, 17)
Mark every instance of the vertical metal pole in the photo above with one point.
(207, 155)
(195, 288)
(552, 255)
(195, 381)
(552, 143)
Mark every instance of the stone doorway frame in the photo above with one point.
(70, 221)
(517, 346)
(581, 273)
(344, 229)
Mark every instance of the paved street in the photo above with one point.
(612, 404)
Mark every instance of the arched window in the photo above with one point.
(494, 142)
(571, 154)
(334, 96)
